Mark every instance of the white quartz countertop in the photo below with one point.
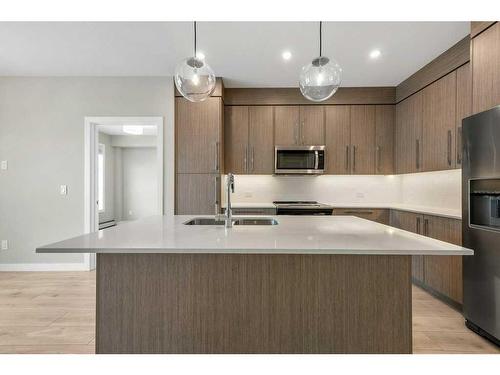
(293, 235)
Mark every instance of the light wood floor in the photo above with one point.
(53, 312)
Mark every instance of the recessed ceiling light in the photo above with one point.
(133, 129)
(200, 55)
(287, 55)
(375, 54)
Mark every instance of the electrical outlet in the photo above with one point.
(4, 165)
(5, 245)
(63, 189)
(360, 195)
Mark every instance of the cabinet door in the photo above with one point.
(439, 115)
(486, 69)
(236, 139)
(197, 194)
(312, 125)
(464, 106)
(408, 135)
(412, 223)
(444, 273)
(384, 139)
(363, 139)
(261, 140)
(198, 128)
(286, 125)
(337, 139)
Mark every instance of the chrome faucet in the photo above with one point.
(229, 211)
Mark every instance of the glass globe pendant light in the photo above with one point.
(320, 79)
(194, 79)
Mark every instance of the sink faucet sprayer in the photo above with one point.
(229, 211)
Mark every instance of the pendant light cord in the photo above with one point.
(320, 39)
(195, 39)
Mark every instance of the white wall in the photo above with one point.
(140, 187)
(440, 189)
(325, 189)
(42, 137)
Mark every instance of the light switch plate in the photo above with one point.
(63, 189)
(5, 244)
(4, 165)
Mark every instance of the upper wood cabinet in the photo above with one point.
(337, 139)
(439, 126)
(199, 135)
(260, 140)
(384, 139)
(408, 135)
(464, 106)
(236, 139)
(312, 125)
(249, 146)
(363, 139)
(299, 125)
(486, 69)
(286, 125)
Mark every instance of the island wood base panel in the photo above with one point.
(253, 303)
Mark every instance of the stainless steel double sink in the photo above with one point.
(236, 221)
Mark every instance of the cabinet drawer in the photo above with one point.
(254, 211)
(380, 215)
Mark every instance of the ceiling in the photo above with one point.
(118, 130)
(246, 54)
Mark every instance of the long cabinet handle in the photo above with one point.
(359, 212)
(426, 227)
(347, 157)
(216, 196)
(459, 145)
(216, 162)
(418, 225)
(354, 158)
(449, 147)
(378, 158)
(417, 153)
(302, 132)
(245, 159)
(253, 154)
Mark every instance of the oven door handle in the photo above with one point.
(316, 160)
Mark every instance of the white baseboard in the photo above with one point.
(20, 267)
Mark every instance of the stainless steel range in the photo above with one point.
(302, 208)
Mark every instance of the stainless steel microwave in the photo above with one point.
(299, 159)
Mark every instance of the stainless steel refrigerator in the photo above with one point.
(481, 222)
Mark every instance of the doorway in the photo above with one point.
(123, 171)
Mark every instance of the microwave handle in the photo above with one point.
(316, 159)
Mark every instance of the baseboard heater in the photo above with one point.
(107, 224)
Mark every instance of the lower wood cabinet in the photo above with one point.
(411, 222)
(379, 215)
(441, 275)
(444, 273)
(197, 193)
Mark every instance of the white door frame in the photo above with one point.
(90, 212)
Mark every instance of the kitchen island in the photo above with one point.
(335, 284)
